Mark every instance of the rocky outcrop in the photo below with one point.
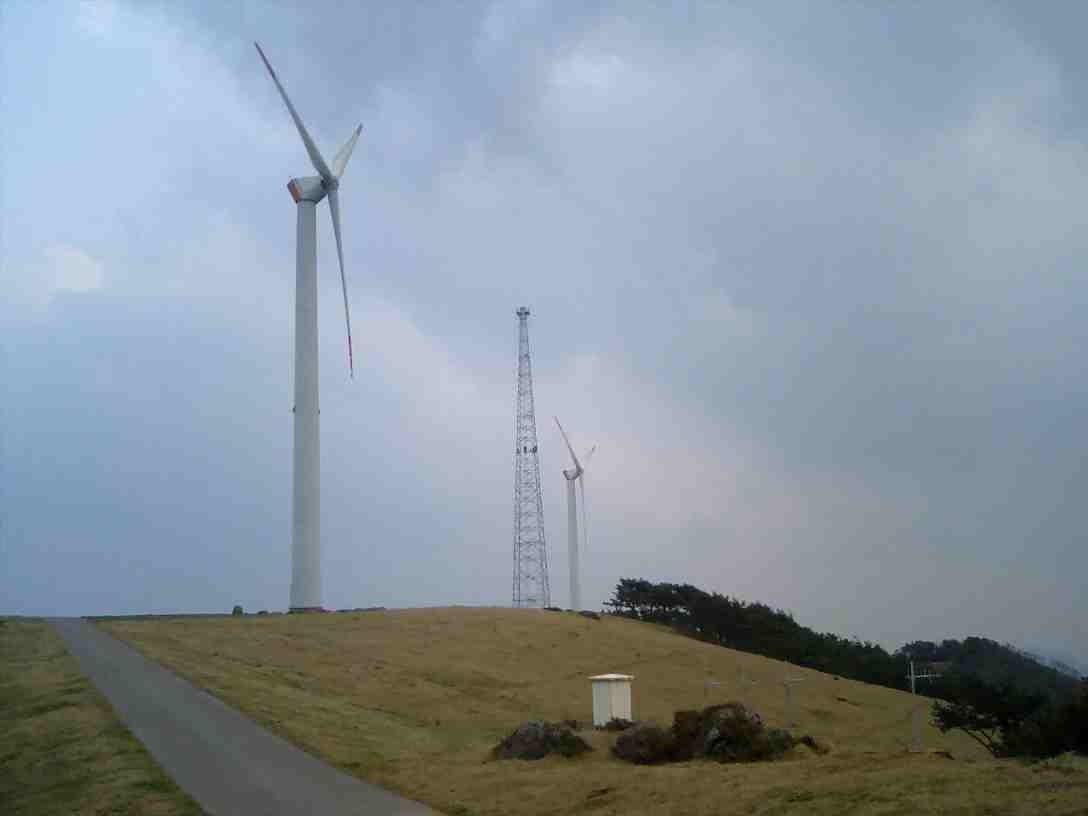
(537, 739)
(645, 744)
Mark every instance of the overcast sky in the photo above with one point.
(811, 275)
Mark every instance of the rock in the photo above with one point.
(237, 610)
(553, 609)
(585, 613)
(812, 744)
(686, 727)
(644, 744)
(537, 739)
(617, 724)
(776, 741)
(263, 612)
(729, 733)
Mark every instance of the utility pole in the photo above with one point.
(914, 677)
(530, 552)
(743, 680)
(786, 683)
(710, 682)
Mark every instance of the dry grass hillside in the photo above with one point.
(414, 700)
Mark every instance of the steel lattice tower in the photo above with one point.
(530, 552)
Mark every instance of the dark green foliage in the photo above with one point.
(990, 715)
(1054, 730)
(994, 663)
(760, 629)
(754, 627)
(1011, 722)
(1073, 721)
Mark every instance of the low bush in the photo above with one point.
(537, 739)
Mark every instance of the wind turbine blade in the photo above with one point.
(340, 160)
(589, 455)
(311, 148)
(334, 209)
(577, 464)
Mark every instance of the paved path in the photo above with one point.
(227, 763)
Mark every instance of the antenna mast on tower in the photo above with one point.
(530, 552)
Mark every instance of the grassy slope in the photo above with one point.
(62, 749)
(414, 699)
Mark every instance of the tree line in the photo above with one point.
(754, 627)
(1001, 696)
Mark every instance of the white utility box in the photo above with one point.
(611, 698)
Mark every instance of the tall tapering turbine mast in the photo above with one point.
(306, 495)
(573, 556)
(530, 552)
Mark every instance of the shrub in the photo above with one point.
(536, 739)
(644, 744)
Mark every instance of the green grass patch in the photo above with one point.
(64, 750)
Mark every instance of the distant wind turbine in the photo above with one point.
(575, 475)
(306, 502)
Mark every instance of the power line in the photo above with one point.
(914, 676)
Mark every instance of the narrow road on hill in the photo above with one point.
(227, 763)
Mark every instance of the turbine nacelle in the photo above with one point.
(326, 184)
(311, 188)
(577, 470)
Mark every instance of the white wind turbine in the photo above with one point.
(572, 476)
(306, 500)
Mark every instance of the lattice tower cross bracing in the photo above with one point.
(530, 551)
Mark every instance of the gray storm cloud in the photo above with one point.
(811, 279)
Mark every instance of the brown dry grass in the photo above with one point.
(62, 748)
(414, 700)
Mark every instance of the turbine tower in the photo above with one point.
(306, 496)
(530, 552)
(573, 475)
